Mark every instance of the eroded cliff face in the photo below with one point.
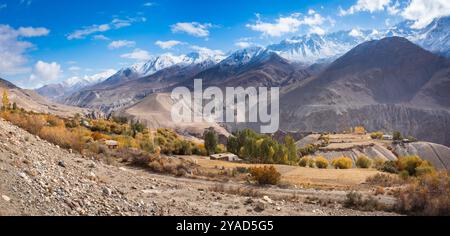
(438, 155)
(421, 123)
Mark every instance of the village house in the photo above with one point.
(225, 157)
(111, 144)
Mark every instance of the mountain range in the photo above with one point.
(306, 50)
(379, 86)
(394, 79)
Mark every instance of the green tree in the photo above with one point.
(14, 106)
(292, 149)
(136, 127)
(5, 100)
(233, 145)
(211, 141)
(397, 136)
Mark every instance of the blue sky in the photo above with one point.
(47, 41)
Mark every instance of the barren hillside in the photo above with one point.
(155, 112)
(31, 101)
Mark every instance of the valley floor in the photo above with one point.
(39, 178)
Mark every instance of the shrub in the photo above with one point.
(312, 163)
(305, 161)
(409, 163)
(125, 141)
(97, 148)
(120, 119)
(140, 159)
(147, 145)
(199, 149)
(265, 175)
(34, 125)
(169, 167)
(355, 200)
(414, 166)
(376, 135)
(155, 166)
(404, 175)
(321, 162)
(98, 136)
(427, 195)
(54, 121)
(390, 167)
(309, 149)
(74, 139)
(363, 162)
(242, 170)
(383, 180)
(378, 163)
(360, 130)
(425, 169)
(342, 163)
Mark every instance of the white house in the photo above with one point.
(225, 157)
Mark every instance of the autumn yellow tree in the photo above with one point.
(5, 100)
(360, 130)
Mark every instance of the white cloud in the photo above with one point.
(33, 32)
(121, 44)
(311, 12)
(315, 19)
(423, 12)
(243, 44)
(288, 24)
(366, 5)
(206, 50)
(317, 30)
(168, 44)
(394, 8)
(138, 55)
(114, 24)
(46, 71)
(193, 28)
(355, 33)
(74, 68)
(100, 37)
(13, 48)
(80, 34)
(148, 4)
(282, 25)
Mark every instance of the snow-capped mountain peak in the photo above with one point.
(243, 56)
(86, 80)
(313, 48)
(158, 63)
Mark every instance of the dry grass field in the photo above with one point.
(300, 176)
